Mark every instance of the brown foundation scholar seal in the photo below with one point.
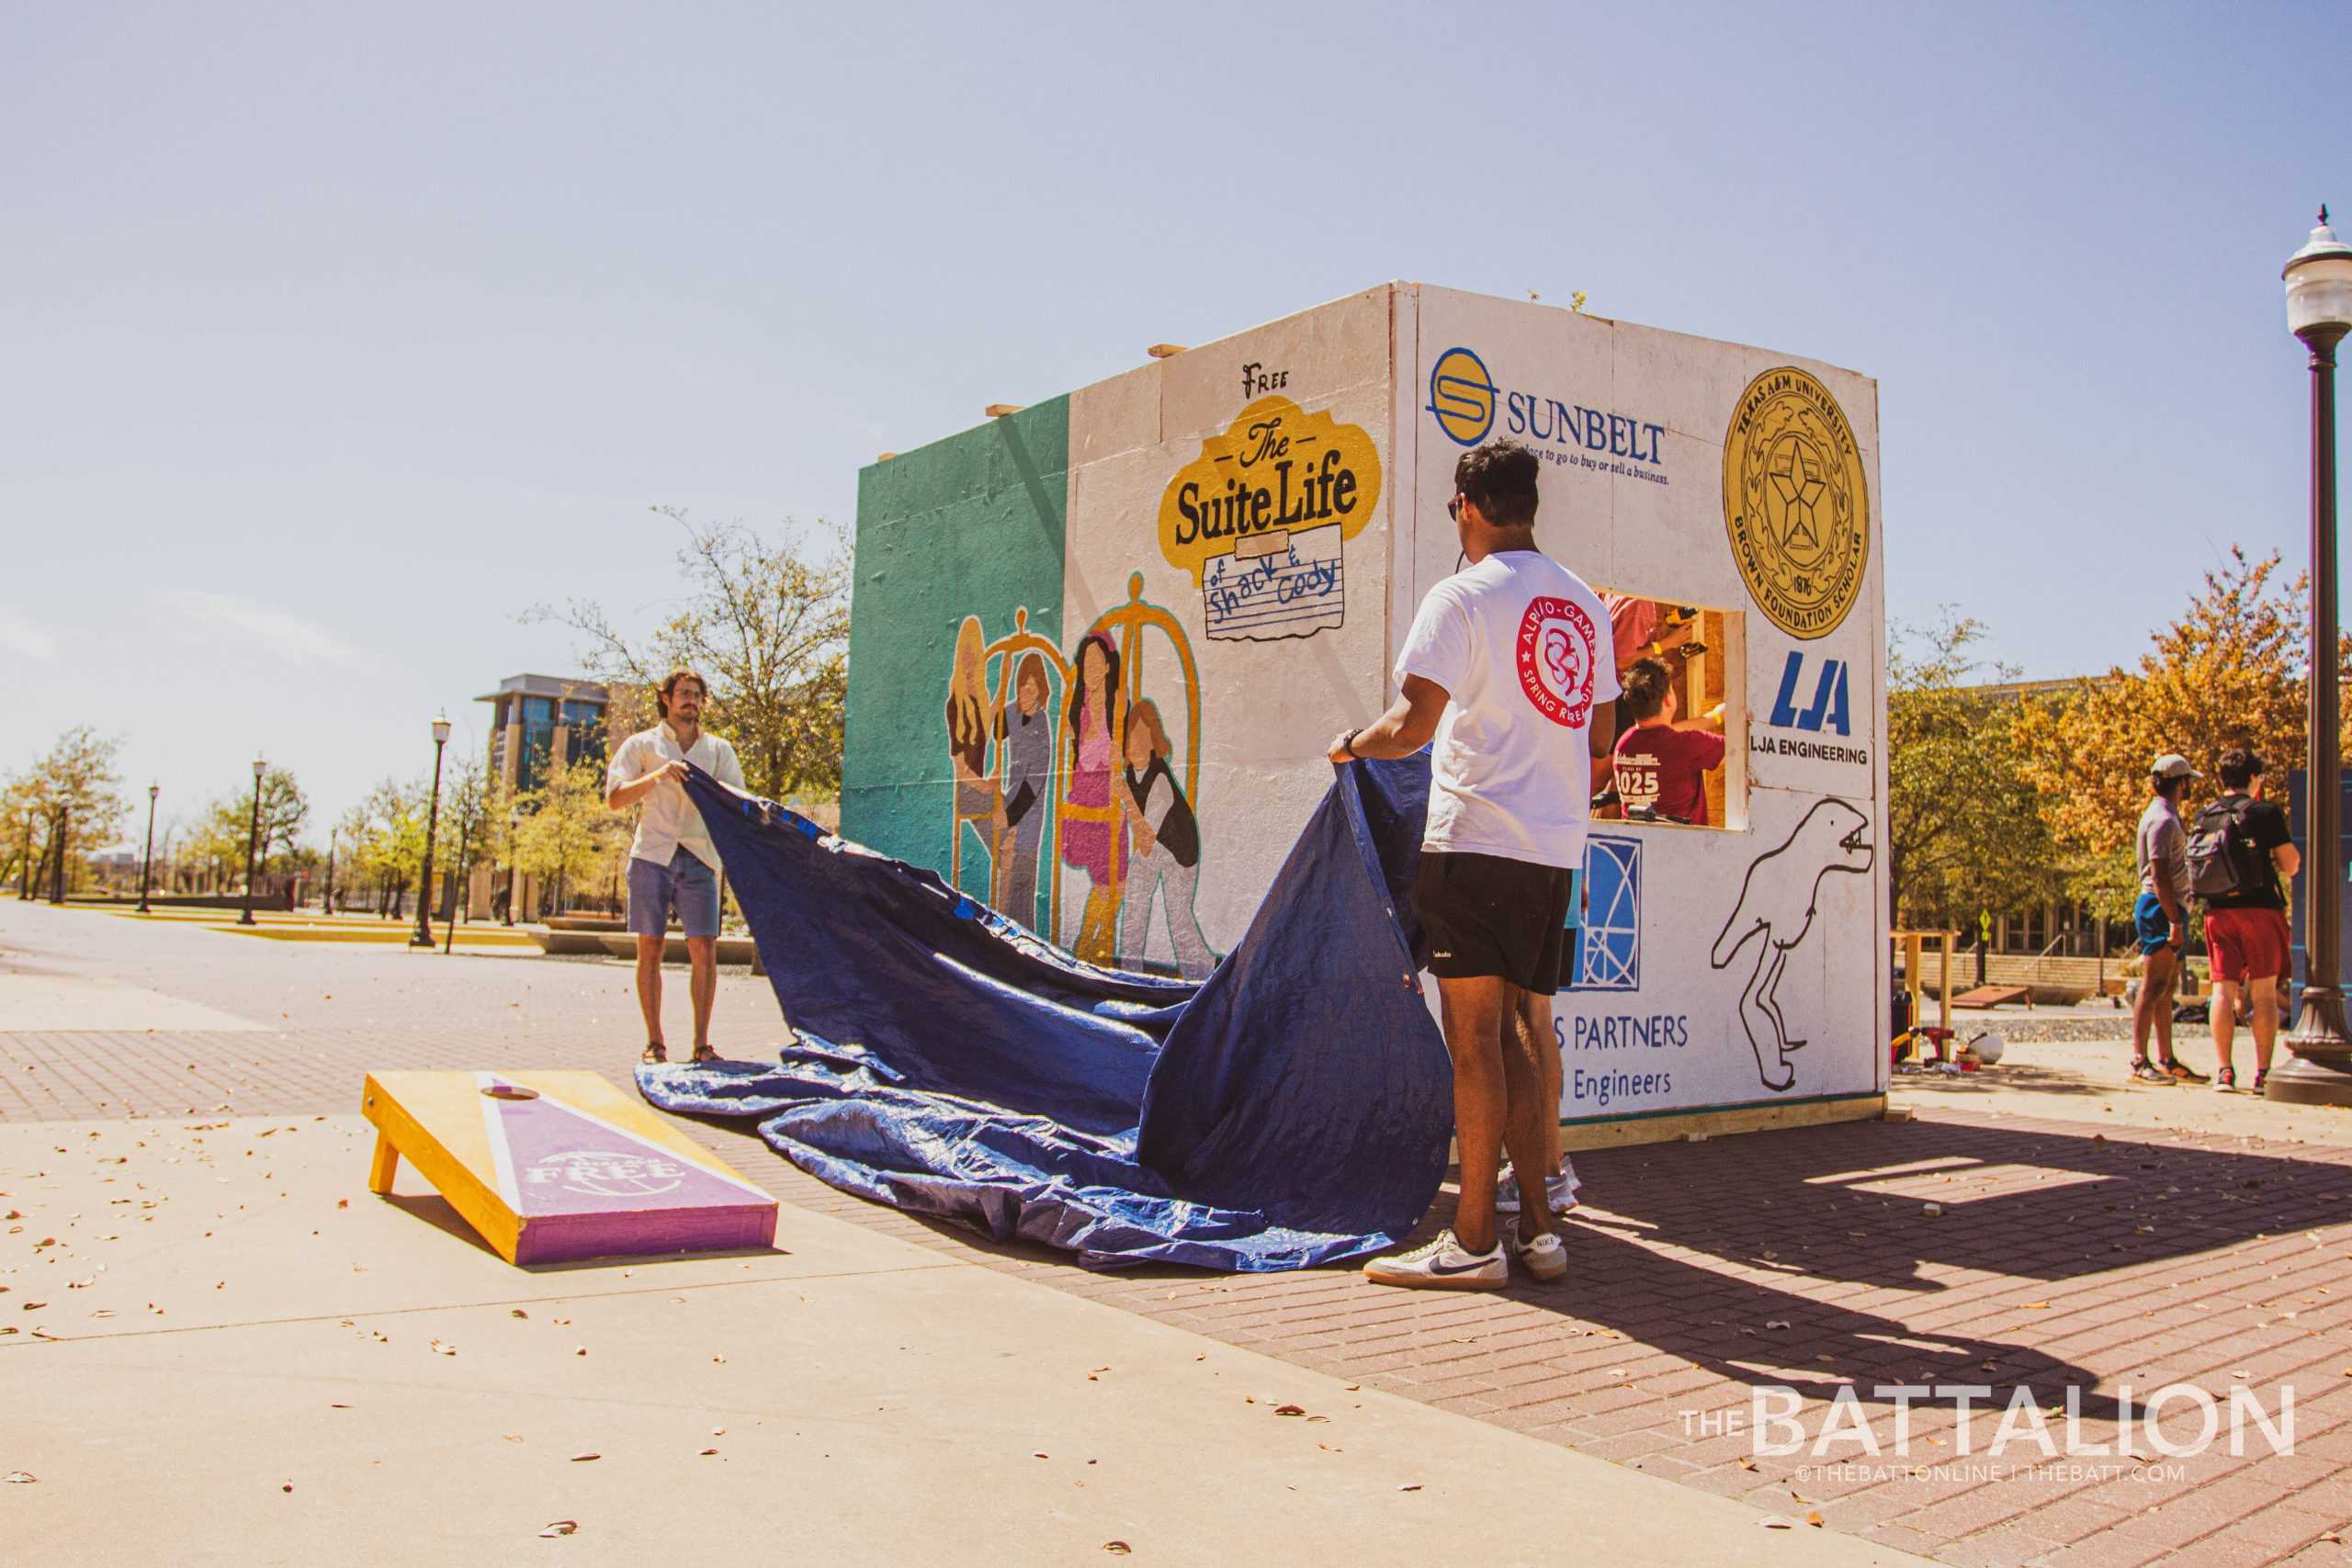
(1795, 502)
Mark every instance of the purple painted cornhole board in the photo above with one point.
(584, 1187)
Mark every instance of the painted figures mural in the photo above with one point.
(1025, 734)
(1166, 839)
(1096, 785)
(1092, 828)
(970, 719)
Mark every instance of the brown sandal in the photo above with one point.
(656, 1055)
(704, 1053)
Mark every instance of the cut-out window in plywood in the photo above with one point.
(1680, 757)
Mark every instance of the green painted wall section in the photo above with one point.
(970, 526)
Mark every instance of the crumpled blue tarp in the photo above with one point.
(1293, 1109)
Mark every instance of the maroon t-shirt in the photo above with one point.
(1667, 768)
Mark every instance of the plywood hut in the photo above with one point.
(1213, 559)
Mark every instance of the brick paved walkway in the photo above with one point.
(2063, 1259)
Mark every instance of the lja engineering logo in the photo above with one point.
(2177, 1421)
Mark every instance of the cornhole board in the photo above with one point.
(555, 1167)
(1993, 997)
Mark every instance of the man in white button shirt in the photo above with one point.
(672, 864)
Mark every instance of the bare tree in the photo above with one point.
(766, 622)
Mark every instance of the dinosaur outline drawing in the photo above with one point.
(1833, 837)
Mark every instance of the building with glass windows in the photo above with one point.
(537, 724)
(542, 722)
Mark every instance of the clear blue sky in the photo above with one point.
(331, 338)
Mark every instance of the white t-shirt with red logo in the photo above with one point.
(1523, 649)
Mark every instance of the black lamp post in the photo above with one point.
(252, 839)
(423, 937)
(2319, 1069)
(57, 869)
(327, 899)
(147, 863)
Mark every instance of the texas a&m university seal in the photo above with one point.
(1795, 502)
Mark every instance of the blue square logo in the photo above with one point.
(1607, 930)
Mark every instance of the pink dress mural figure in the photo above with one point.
(1167, 838)
(1093, 829)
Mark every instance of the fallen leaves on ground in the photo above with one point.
(561, 1526)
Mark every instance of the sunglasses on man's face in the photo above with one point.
(1454, 509)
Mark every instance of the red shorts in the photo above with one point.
(2247, 944)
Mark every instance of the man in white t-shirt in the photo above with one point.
(672, 862)
(1508, 667)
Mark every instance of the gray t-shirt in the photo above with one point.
(1029, 738)
(2161, 851)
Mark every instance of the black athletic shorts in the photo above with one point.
(1488, 915)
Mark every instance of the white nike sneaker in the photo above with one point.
(1547, 1256)
(1560, 1187)
(1444, 1265)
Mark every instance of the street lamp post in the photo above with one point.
(252, 839)
(423, 937)
(57, 870)
(2319, 1071)
(327, 899)
(147, 864)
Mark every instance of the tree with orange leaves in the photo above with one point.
(2230, 671)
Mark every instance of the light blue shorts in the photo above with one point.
(685, 885)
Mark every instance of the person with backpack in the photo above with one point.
(2238, 850)
(2160, 921)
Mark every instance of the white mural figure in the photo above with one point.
(1778, 900)
(1166, 839)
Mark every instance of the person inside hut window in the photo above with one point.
(1662, 767)
(1167, 838)
(1025, 736)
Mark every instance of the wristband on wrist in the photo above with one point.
(1349, 745)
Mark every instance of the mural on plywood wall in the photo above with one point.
(1263, 517)
(1001, 708)
(1076, 760)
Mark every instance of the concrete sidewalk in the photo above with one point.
(225, 1350)
(2090, 1080)
(2043, 1225)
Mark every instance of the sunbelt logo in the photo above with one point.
(1462, 396)
(1467, 403)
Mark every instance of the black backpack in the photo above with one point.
(2222, 859)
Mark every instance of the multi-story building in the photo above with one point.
(541, 722)
(538, 724)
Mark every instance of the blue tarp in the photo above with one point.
(1293, 1109)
